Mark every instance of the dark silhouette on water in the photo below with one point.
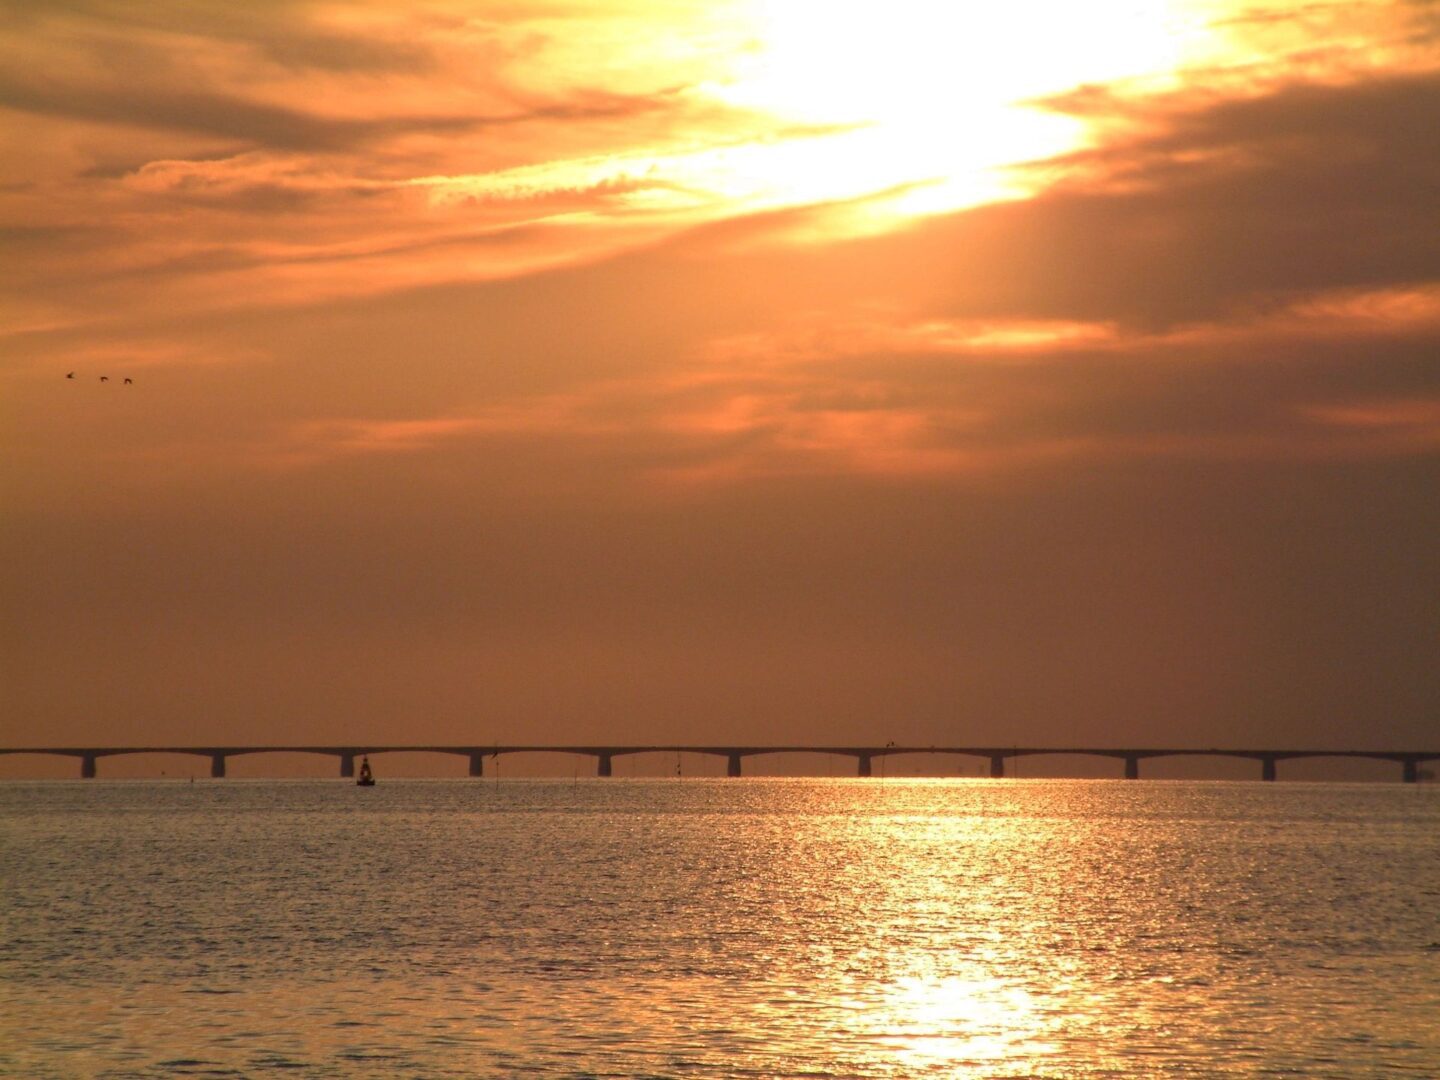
(367, 778)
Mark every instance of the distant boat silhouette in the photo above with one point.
(367, 778)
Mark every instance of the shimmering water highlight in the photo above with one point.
(828, 928)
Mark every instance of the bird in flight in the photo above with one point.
(103, 378)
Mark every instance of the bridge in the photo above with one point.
(865, 756)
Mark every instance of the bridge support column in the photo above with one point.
(1267, 768)
(1132, 767)
(605, 767)
(87, 766)
(217, 766)
(1410, 771)
(733, 767)
(997, 766)
(477, 764)
(864, 767)
(347, 766)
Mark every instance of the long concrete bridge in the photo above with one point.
(1408, 760)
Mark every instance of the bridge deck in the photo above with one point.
(1409, 760)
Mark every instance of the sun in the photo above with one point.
(880, 111)
(934, 99)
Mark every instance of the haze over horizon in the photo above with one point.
(725, 372)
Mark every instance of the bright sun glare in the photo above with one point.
(931, 97)
(964, 1023)
(920, 102)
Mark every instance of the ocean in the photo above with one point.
(719, 928)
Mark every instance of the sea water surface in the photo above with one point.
(725, 928)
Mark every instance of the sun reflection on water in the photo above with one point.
(959, 1022)
(821, 928)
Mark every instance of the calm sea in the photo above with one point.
(725, 928)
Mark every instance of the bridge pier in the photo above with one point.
(477, 764)
(87, 766)
(864, 765)
(1267, 768)
(347, 766)
(217, 766)
(605, 767)
(1410, 770)
(732, 768)
(997, 766)
(1132, 767)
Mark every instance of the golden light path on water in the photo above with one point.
(947, 1004)
(826, 928)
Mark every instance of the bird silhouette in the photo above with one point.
(70, 375)
(104, 378)
(128, 381)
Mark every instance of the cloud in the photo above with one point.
(260, 123)
(1330, 377)
(284, 32)
(1205, 210)
(296, 77)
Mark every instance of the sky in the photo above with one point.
(544, 372)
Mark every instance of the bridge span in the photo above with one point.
(605, 755)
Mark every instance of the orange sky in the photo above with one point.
(697, 372)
